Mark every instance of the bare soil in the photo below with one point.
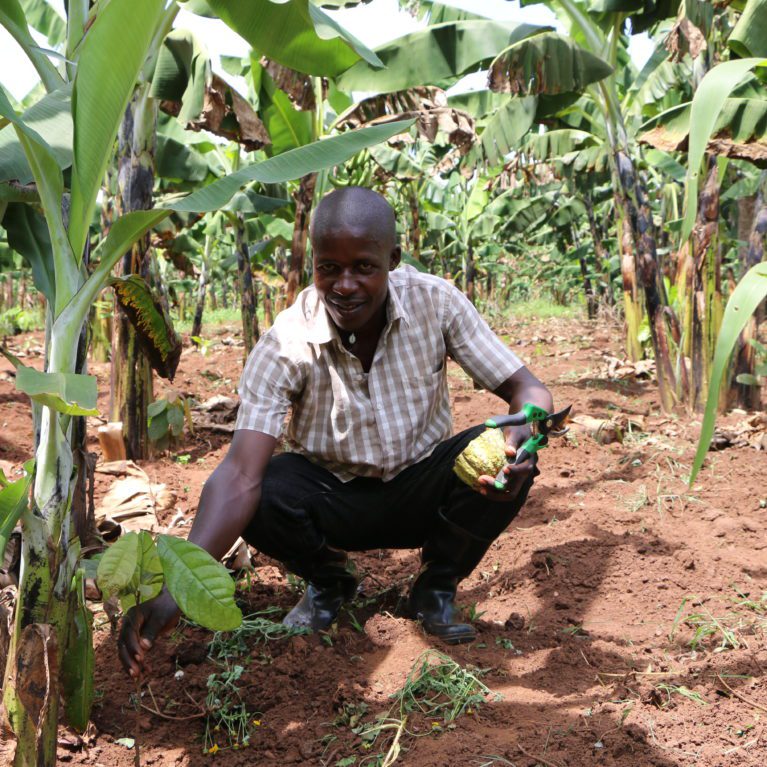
(583, 606)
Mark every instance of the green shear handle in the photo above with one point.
(543, 424)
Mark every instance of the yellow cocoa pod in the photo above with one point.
(485, 454)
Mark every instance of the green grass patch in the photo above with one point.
(210, 318)
(533, 309)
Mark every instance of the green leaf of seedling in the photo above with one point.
(156, 407)
(158, 426)
(117, 570)
(176, 420)
(90, 566)
(149, 576)
(14, 497)
(69, 393)
(201, 587)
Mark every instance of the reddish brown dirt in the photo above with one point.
(580, 604)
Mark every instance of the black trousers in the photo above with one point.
(304, 507)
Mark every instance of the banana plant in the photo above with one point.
(549, 66)
(724, 119)
(744, 301)
(110, 46)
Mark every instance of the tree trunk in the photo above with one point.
(749, 396)
(247, 294)
(304, 196)
(131, 373)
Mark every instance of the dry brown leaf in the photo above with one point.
(239, 557)
(6, 623)
(36, 672)
(7, 742)
(221, 102)
(298, 86)
(427, 104)
(216, 414)
(132, 502)
(684, 37)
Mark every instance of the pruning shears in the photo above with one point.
(543, 424)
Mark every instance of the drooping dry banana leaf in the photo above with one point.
(428, 105)
(154, 329)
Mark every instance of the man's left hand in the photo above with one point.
(516, 474)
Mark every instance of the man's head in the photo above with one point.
(354, 242)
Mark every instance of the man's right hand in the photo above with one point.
(141, 626)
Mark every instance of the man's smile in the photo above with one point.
(345, 308)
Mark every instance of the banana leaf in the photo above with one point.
(296, 34)
(546, 63)
(749, 38)
(743, 302)
(438, 55)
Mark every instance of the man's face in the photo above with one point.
(351, 274)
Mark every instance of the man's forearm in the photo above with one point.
(535, 394)
(524, 387)
(227, 503)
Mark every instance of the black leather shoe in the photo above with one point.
(329, 585)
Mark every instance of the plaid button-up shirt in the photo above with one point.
(375, 424)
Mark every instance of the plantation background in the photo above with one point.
(600, 196)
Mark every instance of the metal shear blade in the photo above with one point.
(554, 425)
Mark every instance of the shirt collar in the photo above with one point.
(320, 330)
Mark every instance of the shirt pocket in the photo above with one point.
(422, 396)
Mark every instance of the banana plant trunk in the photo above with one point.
(201, 290)
(470, 275)
(604, 286)
(748, 396)
(268, 310)
(250, 333)
(588, 287)
(699, 292)
(304, 197)
(638, 233)
(45, 603)
(632, 308)
(415, 222)
(131, 372)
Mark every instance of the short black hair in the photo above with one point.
(358, 208)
